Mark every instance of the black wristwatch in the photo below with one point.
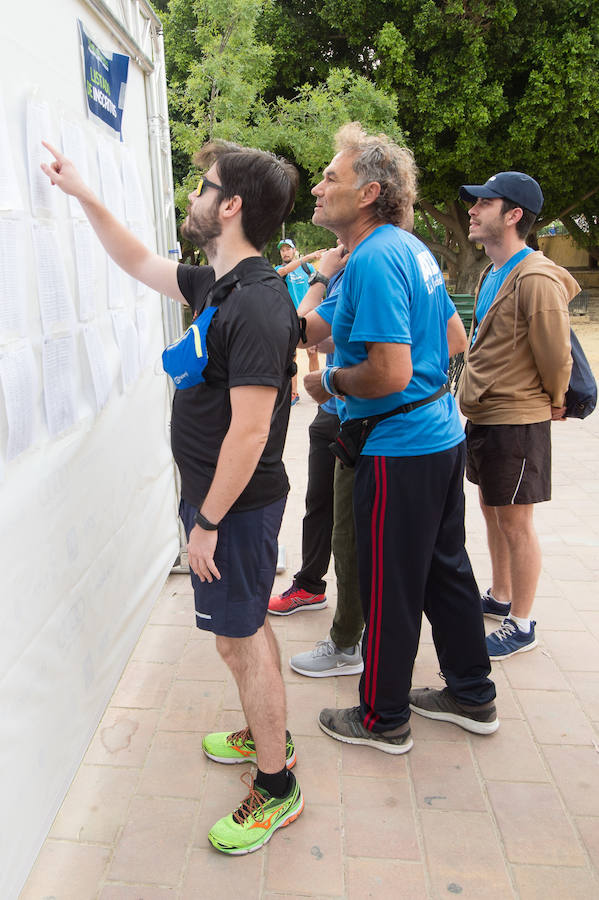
(318, 278)
(204, 523)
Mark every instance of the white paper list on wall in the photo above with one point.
(116, 284)
(98, 365)
(128, 343)
(135, 209)
(85, 262)
(19, 379)
(143, 334)
(74, 147)
(39, 128)
(13, 296)
(59, 374)
(10, 195)
(55, 300)
(112, 186)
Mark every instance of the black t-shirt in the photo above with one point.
(251, 341)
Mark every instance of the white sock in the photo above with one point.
(523, 624)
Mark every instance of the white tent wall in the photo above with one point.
(88, 517)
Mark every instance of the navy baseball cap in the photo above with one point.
(514, 186)
(285, 241)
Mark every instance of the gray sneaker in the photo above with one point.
(442, 705)
(328, 659)
(346, 725)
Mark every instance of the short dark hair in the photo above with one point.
(528, 219)
(266, 183)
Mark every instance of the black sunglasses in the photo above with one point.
(204, 183)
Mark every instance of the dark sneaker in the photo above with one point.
(239, 747)
(328, 659)
(492, 608)
(294, 599)
(441, 705)
(508, 640)
(346, 725)
(253, 823)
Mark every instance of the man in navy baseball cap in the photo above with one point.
(514, 186)
(516, 373)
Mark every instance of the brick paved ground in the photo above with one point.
(515, 814)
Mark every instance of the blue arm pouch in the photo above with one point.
(185, 359)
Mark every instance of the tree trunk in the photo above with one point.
(471, 262)
(465, 261)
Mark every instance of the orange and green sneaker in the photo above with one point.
(239, 747)
(255, 821)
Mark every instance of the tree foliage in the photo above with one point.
(475, 86)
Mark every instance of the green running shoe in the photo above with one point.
(239, 747)
(253, 823)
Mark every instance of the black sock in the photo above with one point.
(277, 783)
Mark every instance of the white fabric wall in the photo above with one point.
(87, 519)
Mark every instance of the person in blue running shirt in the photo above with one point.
(516, 374)
(298, 274)
(394, 329)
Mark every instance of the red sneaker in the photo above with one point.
(294, 599)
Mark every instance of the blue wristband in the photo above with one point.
(326, 379)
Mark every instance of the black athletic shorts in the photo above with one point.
(510, 463)
(246, 557)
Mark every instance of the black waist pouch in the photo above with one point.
(354, 433)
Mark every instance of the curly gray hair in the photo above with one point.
(378, 158)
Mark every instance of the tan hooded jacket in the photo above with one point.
(519, 366)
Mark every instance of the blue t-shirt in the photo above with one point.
(393, 292)
(297, 282)
(492, 283)
(326, 310)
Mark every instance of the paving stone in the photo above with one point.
(532, 824)
(308, 853)
(213, 874)
(66, 870)
(153, 845)
(444, 777)
(176, 766)
(554, 883)
(379, 820)
(123, 737)
(382, 879)
(464, 855)
(576, 774)
(555, 717)
(509, 755)
(96, 805)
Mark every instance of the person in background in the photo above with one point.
(516, 374)
(298, 275)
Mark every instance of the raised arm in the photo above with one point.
(296, 263)
(127, 251)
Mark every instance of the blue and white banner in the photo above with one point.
(105, 82)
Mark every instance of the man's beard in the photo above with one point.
(203, 229)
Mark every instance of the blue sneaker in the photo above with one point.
(492, 608)
(508, 640)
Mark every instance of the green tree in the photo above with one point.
(216, 71)
(483, 86)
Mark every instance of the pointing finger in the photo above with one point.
(55, 153)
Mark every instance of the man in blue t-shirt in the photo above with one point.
(515, 377)
(394, 328)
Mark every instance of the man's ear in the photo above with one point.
(231, 207)
(513, 216)
(370, 192)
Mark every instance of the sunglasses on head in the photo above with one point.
(205, 183)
